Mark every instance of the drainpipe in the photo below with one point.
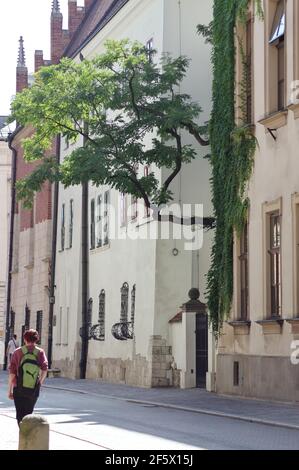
(84, 231)
(84, 349)
(11, 236)
(53, 258)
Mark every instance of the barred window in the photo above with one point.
(39, 324)
(27, 318)
(102, 307)
(124, 302)
(133, 297)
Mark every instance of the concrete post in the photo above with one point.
(34, 433)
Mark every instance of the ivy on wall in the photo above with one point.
(232, 153)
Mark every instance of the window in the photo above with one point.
(243, 259)
(102, 306)
(99, 221)
(146, 209)
(12, 317)
(134, 207)
(150, 49)
(106, 219)
(27, 318)
(39, 324)
(123, 209)
(71, 223)
(275, 264)
(92, 224)
(124, 303)
(236, 374)
(133, 298)
(89, 311)
(277, 42)
(62, 228)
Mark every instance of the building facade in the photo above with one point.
(5, 185)
(31, 274)
(135, 285)
(258, 350)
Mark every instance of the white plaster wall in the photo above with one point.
(68, 272)
(5, 175)
(162, 280)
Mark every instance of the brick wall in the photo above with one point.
(38, 60)
(75, 16)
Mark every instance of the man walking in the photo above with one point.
(13, 344)
(27, 372)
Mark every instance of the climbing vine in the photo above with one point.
(232, 152)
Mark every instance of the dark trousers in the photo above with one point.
(24, 405)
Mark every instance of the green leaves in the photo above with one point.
(232, 156)
(111, 103)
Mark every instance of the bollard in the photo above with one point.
(34, 433)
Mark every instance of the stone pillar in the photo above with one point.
(188, 372)
(189, 311)
(34, 433)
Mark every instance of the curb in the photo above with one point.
(219, 414)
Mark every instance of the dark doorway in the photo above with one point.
(201, 350)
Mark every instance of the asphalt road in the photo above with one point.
(80, 421)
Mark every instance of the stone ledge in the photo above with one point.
(271, 326)
(294, 322)
(241, 327)
(275, 120)
(295, 109)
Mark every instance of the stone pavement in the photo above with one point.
(196, 400)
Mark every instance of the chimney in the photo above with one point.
(56, 33)
(38, 60)
(22, 71)
(76, 15)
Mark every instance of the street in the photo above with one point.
(82, 422)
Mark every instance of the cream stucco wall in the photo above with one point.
(264, 352)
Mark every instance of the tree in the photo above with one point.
(112, 101)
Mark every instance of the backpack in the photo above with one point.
(28, 373)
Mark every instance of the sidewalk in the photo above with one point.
(195, 400)
(9, 437)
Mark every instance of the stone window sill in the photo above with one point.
(241, 327)
(295, 109)
(271, 326)
(99, 249)
(275, 120)
(294, 322)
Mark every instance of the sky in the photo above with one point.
(30, 19)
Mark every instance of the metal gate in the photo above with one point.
(201, 349)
